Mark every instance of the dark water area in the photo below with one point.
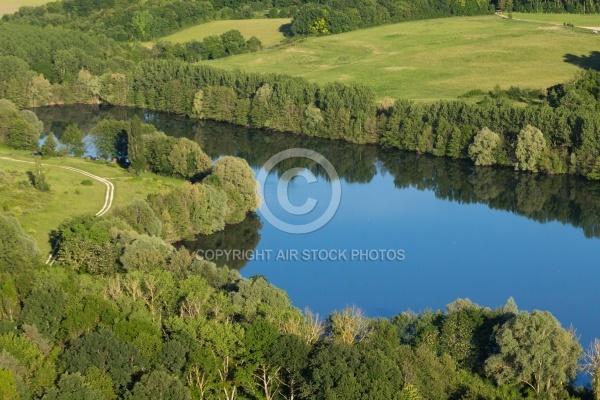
(463, 231)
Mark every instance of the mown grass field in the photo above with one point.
(559, 19)
(267, 30)
(10, 6)
(41, 212)
(432, 59)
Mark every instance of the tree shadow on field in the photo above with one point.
(586, 62)
(286, 29)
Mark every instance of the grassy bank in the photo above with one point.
(41, 212)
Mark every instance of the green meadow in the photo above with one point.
(41, 212)
(267, 30)
(432, 59)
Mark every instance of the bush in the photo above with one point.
(38, 178)
(188, 159)
(141, 217)
(146, 253)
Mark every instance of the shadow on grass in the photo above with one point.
(286, 29)
(591, 61)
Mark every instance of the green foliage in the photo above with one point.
(158, 147)
(73, 386)
(336, 17)
(482, 149)
(110, 138)
(72, 138)
(105, 351)
(140, 216)
(531, 145)
(18, 130)
(8, 386)
(135, 146)
(160, 386)
(146, 253)
(192, 209)
(44, 309)
(38, 178)
(49, 147)
(536, 352)
(93, 245)
(188, 159)
(16, 248)
(236, 178)
(212, 47)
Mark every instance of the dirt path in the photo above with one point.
(108, 199)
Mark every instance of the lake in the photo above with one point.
(437, 229)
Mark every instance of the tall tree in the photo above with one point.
(72, 138)
(535, 351)
(482, 149)
(135, 146)
(530, 148)
(49, 146)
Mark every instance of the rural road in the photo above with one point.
(108, 199)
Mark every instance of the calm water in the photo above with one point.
(486, 234)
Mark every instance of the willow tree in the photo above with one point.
(531, 145)
(482, 149)
(236, 178)
(537, 352)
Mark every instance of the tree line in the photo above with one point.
(212, 47)
(137, 20)
(334, 16)
(558, 136)
(123, 314)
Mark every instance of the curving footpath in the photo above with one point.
(108, 199)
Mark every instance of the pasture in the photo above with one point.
(433, 59)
